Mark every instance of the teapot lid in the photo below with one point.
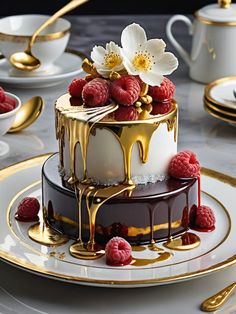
(224, 11)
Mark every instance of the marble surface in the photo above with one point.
(213, 141)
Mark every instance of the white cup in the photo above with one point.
(15, 32)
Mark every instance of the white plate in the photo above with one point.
(215, 251)
(220, 92)
(65, 67)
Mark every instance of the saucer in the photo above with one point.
(214, 253)
(219, 115)
(65, 67)
(220, 92)
(220, 109)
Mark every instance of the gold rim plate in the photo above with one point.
(220, 110)
(218, 115)
(6, 256)
(208, 88)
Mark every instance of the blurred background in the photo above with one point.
(106, 7)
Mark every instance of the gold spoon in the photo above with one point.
(25, 60)
(217, 300)
(27, 114)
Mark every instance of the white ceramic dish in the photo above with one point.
(67, 66)
(221, 92)
(6, 120)
(15, 32)
(215, 252)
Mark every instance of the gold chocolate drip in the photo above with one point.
(172, 124)
(99, 197)
(60, 136)
(95, 198)
(78, 133)
(128, 135)
(77, 122)
(79, 245)
(44, 234)
(152, 246)
(144, 262)
(185, 242)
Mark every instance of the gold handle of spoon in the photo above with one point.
(67, 8)
(217, 300)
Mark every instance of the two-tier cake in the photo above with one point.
(117, 133)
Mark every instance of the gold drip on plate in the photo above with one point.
(144, 262)
(44, 234)
(187, 241)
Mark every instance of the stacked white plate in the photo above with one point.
(220, 99)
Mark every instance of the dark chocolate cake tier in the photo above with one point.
(159, 208)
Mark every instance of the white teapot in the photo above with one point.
(213, 52)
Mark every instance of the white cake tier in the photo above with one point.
(108, 151)
(105, 161)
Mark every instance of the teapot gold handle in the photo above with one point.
(183, 53)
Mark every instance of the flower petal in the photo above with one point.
(166, 64)
(132, 37)
(155, 47)
(113, 47)
(151, 78)
(97, 54)
(129, 66)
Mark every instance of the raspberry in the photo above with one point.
(96, 92)
(76, 101)
(2, 95)
(118, 252)
(161, 107)
(202, 217)
(118, 229)
(11, 101)
(125, 90)
(28, 209)
(184, 165)
(5, 107)
(126, 114)
(139, 80)
(163, 92)
(76, 86)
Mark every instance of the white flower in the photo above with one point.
(146, 58)
(107, 60)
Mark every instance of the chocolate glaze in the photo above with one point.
(168, 202)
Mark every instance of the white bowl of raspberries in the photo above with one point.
(9, 105)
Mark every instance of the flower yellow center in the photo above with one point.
(142, 62)
(112, 60)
